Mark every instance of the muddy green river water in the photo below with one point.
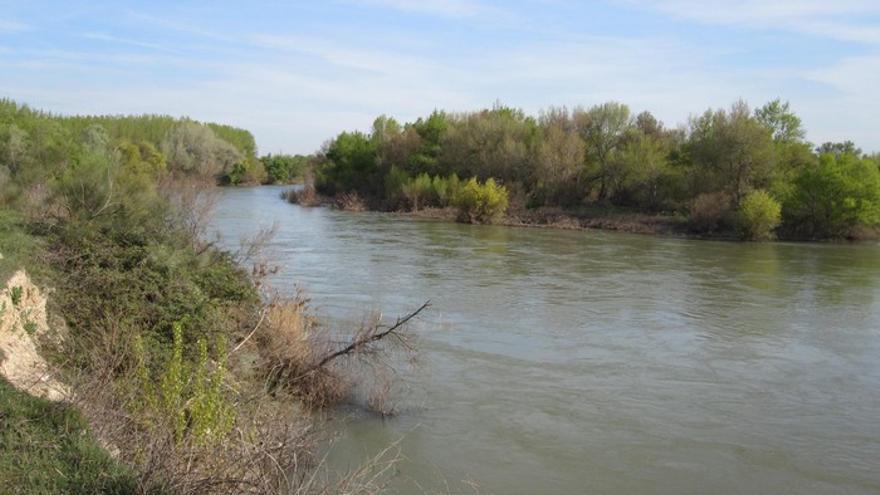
(596, 362)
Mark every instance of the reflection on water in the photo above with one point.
(573, 362)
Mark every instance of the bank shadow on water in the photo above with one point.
(573, 362)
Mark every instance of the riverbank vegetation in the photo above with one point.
(725, 172)
(186, 375)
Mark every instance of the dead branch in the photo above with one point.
(363, 341)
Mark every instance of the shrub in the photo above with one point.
(190, 394)
(395, 181)
(419, 191)
(350, 201)
(711, 212)
(758, 216)
(446, 189)
(305, 196)
(481, 203)
(283, 169)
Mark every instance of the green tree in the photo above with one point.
(559, 160)
(351, 166)
(784, 124)
(193, 148)
(646, 165)
(604, 129)
(14, 142)
(839, 149)
(834, 197)
(732, 151)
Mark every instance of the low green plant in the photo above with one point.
(419, 191)
(48, 448)
(190, 393)
(758, 216)
(15, 294)
(445, 189)
(30, 327)
(481, 203)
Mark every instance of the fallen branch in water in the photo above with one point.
(365, 339)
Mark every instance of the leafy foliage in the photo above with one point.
(834, 197)
(481, 203)
(604, 157)
(758, 216)
(284, 169)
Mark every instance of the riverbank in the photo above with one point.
(168, 358)
(556, 218)
(585, 218)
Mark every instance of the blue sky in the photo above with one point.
(296, 73)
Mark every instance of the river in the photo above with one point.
(597, 362)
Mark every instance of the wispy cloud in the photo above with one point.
(116, 40)
(445, 8)
(843, 20)
(295, 79)
(13, 27)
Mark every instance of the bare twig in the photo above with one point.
(365, 340)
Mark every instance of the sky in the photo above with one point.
(298, 73)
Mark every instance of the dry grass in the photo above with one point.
(305, 196)
(350, 201)
(321, 367)
(269, 451)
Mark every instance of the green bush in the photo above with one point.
(758, 216)
(419, 191)
(190, 394)
(481, 203)
(395, 180)
(284, 169)
(445, 189)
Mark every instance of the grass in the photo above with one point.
(48, 449)
(17, 247)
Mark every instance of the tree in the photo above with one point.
(646, 165)
(431, 132)
(649, 125)
(834, 197)
(491, 143)
(282, 169)
(558, 162)
(778, 117)
(351, 166)
(731, 150)
(604, 129)
(14, 141)
(193, 148)
(839, 149)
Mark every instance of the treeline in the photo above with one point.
(30, 140)
(727, 170)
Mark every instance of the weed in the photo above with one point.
(30, 327)
(15, 294)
